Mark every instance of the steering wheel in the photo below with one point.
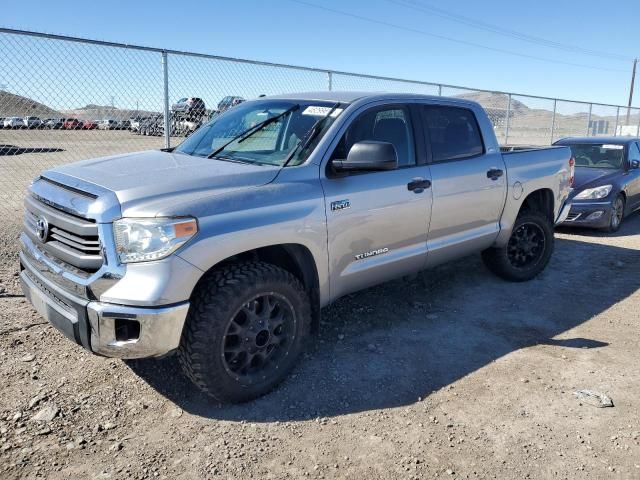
(583, 159)
(606, 162)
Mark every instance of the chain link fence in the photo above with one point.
(65, 99)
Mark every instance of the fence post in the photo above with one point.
(589, 119)
(508, 122)
(615, 130)
(165, 82)
(330, 80)
(439, 90)
(553, 120)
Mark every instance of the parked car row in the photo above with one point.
(63, 123)
(20, 122)
(154, 126)
(141, 125)
(187, 114)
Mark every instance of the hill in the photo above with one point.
(12, 105)
(99, 112)
(496, 101)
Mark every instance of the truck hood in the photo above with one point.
(586, 177)
(143, 181)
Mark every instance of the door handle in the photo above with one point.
(494, 173)
(417, 185)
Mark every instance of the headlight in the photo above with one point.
(594, 193)
(145, 239)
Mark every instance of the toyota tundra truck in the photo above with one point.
(225, 248)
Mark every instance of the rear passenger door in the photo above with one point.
(468, 184)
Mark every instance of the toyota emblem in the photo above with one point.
(42, 229)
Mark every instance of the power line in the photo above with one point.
(450, 39)
(475, 23)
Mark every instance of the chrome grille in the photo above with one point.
(87, 245)
(573, 216)
(69, 239)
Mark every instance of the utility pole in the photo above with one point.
(633, 80)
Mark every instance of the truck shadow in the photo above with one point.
(15, 150)
(395, 343)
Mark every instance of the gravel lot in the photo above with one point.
(455, 374)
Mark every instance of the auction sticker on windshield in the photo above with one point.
(613, 147)
(317, 111)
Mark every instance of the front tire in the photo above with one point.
(617, 214)
(527, 252)
(245, 330)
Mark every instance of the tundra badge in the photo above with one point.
(372, 253)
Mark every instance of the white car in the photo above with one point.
(134, 123)
(14, 122)
(107, 124)
(32, 122)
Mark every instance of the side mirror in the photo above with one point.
(369, 156)
(635, 163)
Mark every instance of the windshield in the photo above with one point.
(270, 145)
(598, 155)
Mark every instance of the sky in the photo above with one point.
(580, 50)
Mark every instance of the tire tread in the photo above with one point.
(216, 290)
(496, 259)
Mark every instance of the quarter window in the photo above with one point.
(452, 133)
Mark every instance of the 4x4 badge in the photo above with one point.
(340, 205)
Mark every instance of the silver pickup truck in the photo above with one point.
(226, 247)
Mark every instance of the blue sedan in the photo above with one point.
(606, 186)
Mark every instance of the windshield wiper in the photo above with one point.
(227, 158)
(241, 137)
(315, 130)
(231, 159)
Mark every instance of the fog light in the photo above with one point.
(127, 330)
(595, 215)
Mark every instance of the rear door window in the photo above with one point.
(452, 133)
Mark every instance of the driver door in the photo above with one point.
(377, 222)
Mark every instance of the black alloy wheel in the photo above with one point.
(526, 246)
(258, 337)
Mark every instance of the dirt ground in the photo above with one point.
(455, 374)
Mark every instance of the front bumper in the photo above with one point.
(564, 213)
(589, 215)
(106, 329)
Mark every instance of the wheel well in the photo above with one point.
(539, 201)
(296, 259)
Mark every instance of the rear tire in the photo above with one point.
(245, 330)
(527, 252)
